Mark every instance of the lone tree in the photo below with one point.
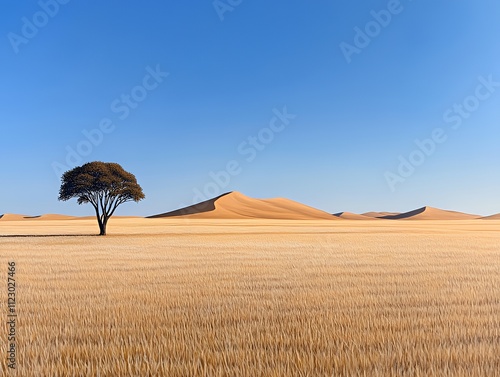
(105, 185)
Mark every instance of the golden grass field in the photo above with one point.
(173, 297)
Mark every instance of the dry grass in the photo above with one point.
(243, 298)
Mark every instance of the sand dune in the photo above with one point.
(429, 213)
(380, 214)
(52, 216)
(235, 205)
(12, 217)
(49, 216)
(114, 217)
(354, 216)
(492, 217)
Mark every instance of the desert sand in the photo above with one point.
(492, 217)
(429, 213)
(380, 214)
(50, 217)
(245, 297)
(235, 205)
(13, 217)
(354, 216)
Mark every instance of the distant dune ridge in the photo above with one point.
(354, 216)
(48, 216)
(235, 205)
(12, 217)
(379, 215)
(51, 217)
(492, 217)
(429, 213)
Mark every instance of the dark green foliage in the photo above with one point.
(105, 185)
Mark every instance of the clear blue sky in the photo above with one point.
(353, 119)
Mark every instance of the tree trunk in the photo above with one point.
(102, 229)
(102, 220)
(102, 226)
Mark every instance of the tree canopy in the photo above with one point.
(105, 185)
